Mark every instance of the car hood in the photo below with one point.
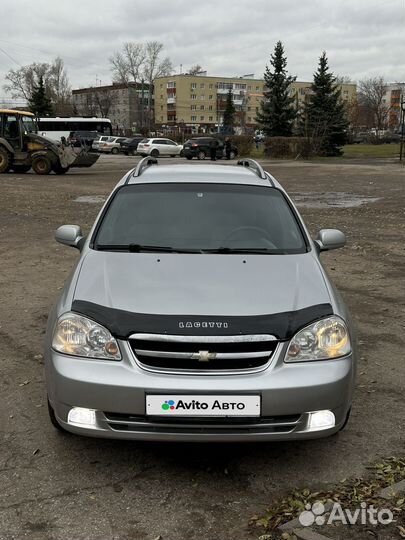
(172, 284)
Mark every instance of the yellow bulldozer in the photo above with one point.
(21, 148)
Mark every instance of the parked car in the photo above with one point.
(199, 147)
(199, 310)
(99, 140)
(159, 147)
(130, 145)
(111, 146)
(82, 138)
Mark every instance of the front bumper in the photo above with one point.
(117, 392)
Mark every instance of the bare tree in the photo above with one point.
(153, 67)
(195, 69)
(22, 82)
(126, 65)
(104, 99)
(371, 95)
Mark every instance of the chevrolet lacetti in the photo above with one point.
(199, 311)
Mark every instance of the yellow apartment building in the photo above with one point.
(196, 103)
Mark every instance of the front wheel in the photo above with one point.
(201, 155)
(114, 151)
(232, 155)
(41, 165)
(4, 160)
(155, 153)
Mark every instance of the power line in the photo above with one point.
(11, 58)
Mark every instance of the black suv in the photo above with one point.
(129, 146)
(81, 138)
(199, 147)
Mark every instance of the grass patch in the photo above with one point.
(350, 493)
(371, 151)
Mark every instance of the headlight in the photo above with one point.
(322, 340)
(78, 336)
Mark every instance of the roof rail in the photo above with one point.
(144, 164)
(252, 164)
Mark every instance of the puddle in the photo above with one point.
(91, 199)
(331, 199)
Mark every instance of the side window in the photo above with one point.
(1, 125)
(11, 130)
(172, 143)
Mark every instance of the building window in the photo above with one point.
(161, 86)
(249, 87)
(202, 97)
(171, 84)
(210, 96)
(211, 118)
(193, 107)
(202, 85)
(193, 96)
(211, 85)
(201, 107)
(210, 107)
(249, 108)
(161, 107)
(257, 88)
(193, 118)
(201, 118)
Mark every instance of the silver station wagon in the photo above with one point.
(199, 310)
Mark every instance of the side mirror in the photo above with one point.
(69, 235)
(328, 239)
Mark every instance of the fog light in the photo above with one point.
(319, 420)
(79, 416)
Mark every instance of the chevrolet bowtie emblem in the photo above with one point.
(204, 356)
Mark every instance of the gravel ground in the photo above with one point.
(66, 487)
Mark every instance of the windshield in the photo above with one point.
(30, 124)
(200, 217)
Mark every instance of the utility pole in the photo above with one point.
(401, 148)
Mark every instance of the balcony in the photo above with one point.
(171, 100)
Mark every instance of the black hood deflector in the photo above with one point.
(122, 323)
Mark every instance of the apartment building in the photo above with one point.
(196, 103)
(126, 105)
(394, 96)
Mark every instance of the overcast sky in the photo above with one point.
(362, 38)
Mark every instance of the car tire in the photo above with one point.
(131, 153)
(172, 155)
(154, 153)
(4, 160)
(181, 153)
(21, 169)
(189, 158)
(114, 151)
(201, 154)
(232, 155)
(53, 419)
(41, 165)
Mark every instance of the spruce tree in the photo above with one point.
(324, 118)
(278, 112)
(40, 104)
(229, 114)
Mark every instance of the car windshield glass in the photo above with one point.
(222, 218)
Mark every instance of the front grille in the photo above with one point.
(156, 424)
(203, 353)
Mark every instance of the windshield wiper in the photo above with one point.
(138, 248)
(259, 251)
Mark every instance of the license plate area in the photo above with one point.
(221, 405)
